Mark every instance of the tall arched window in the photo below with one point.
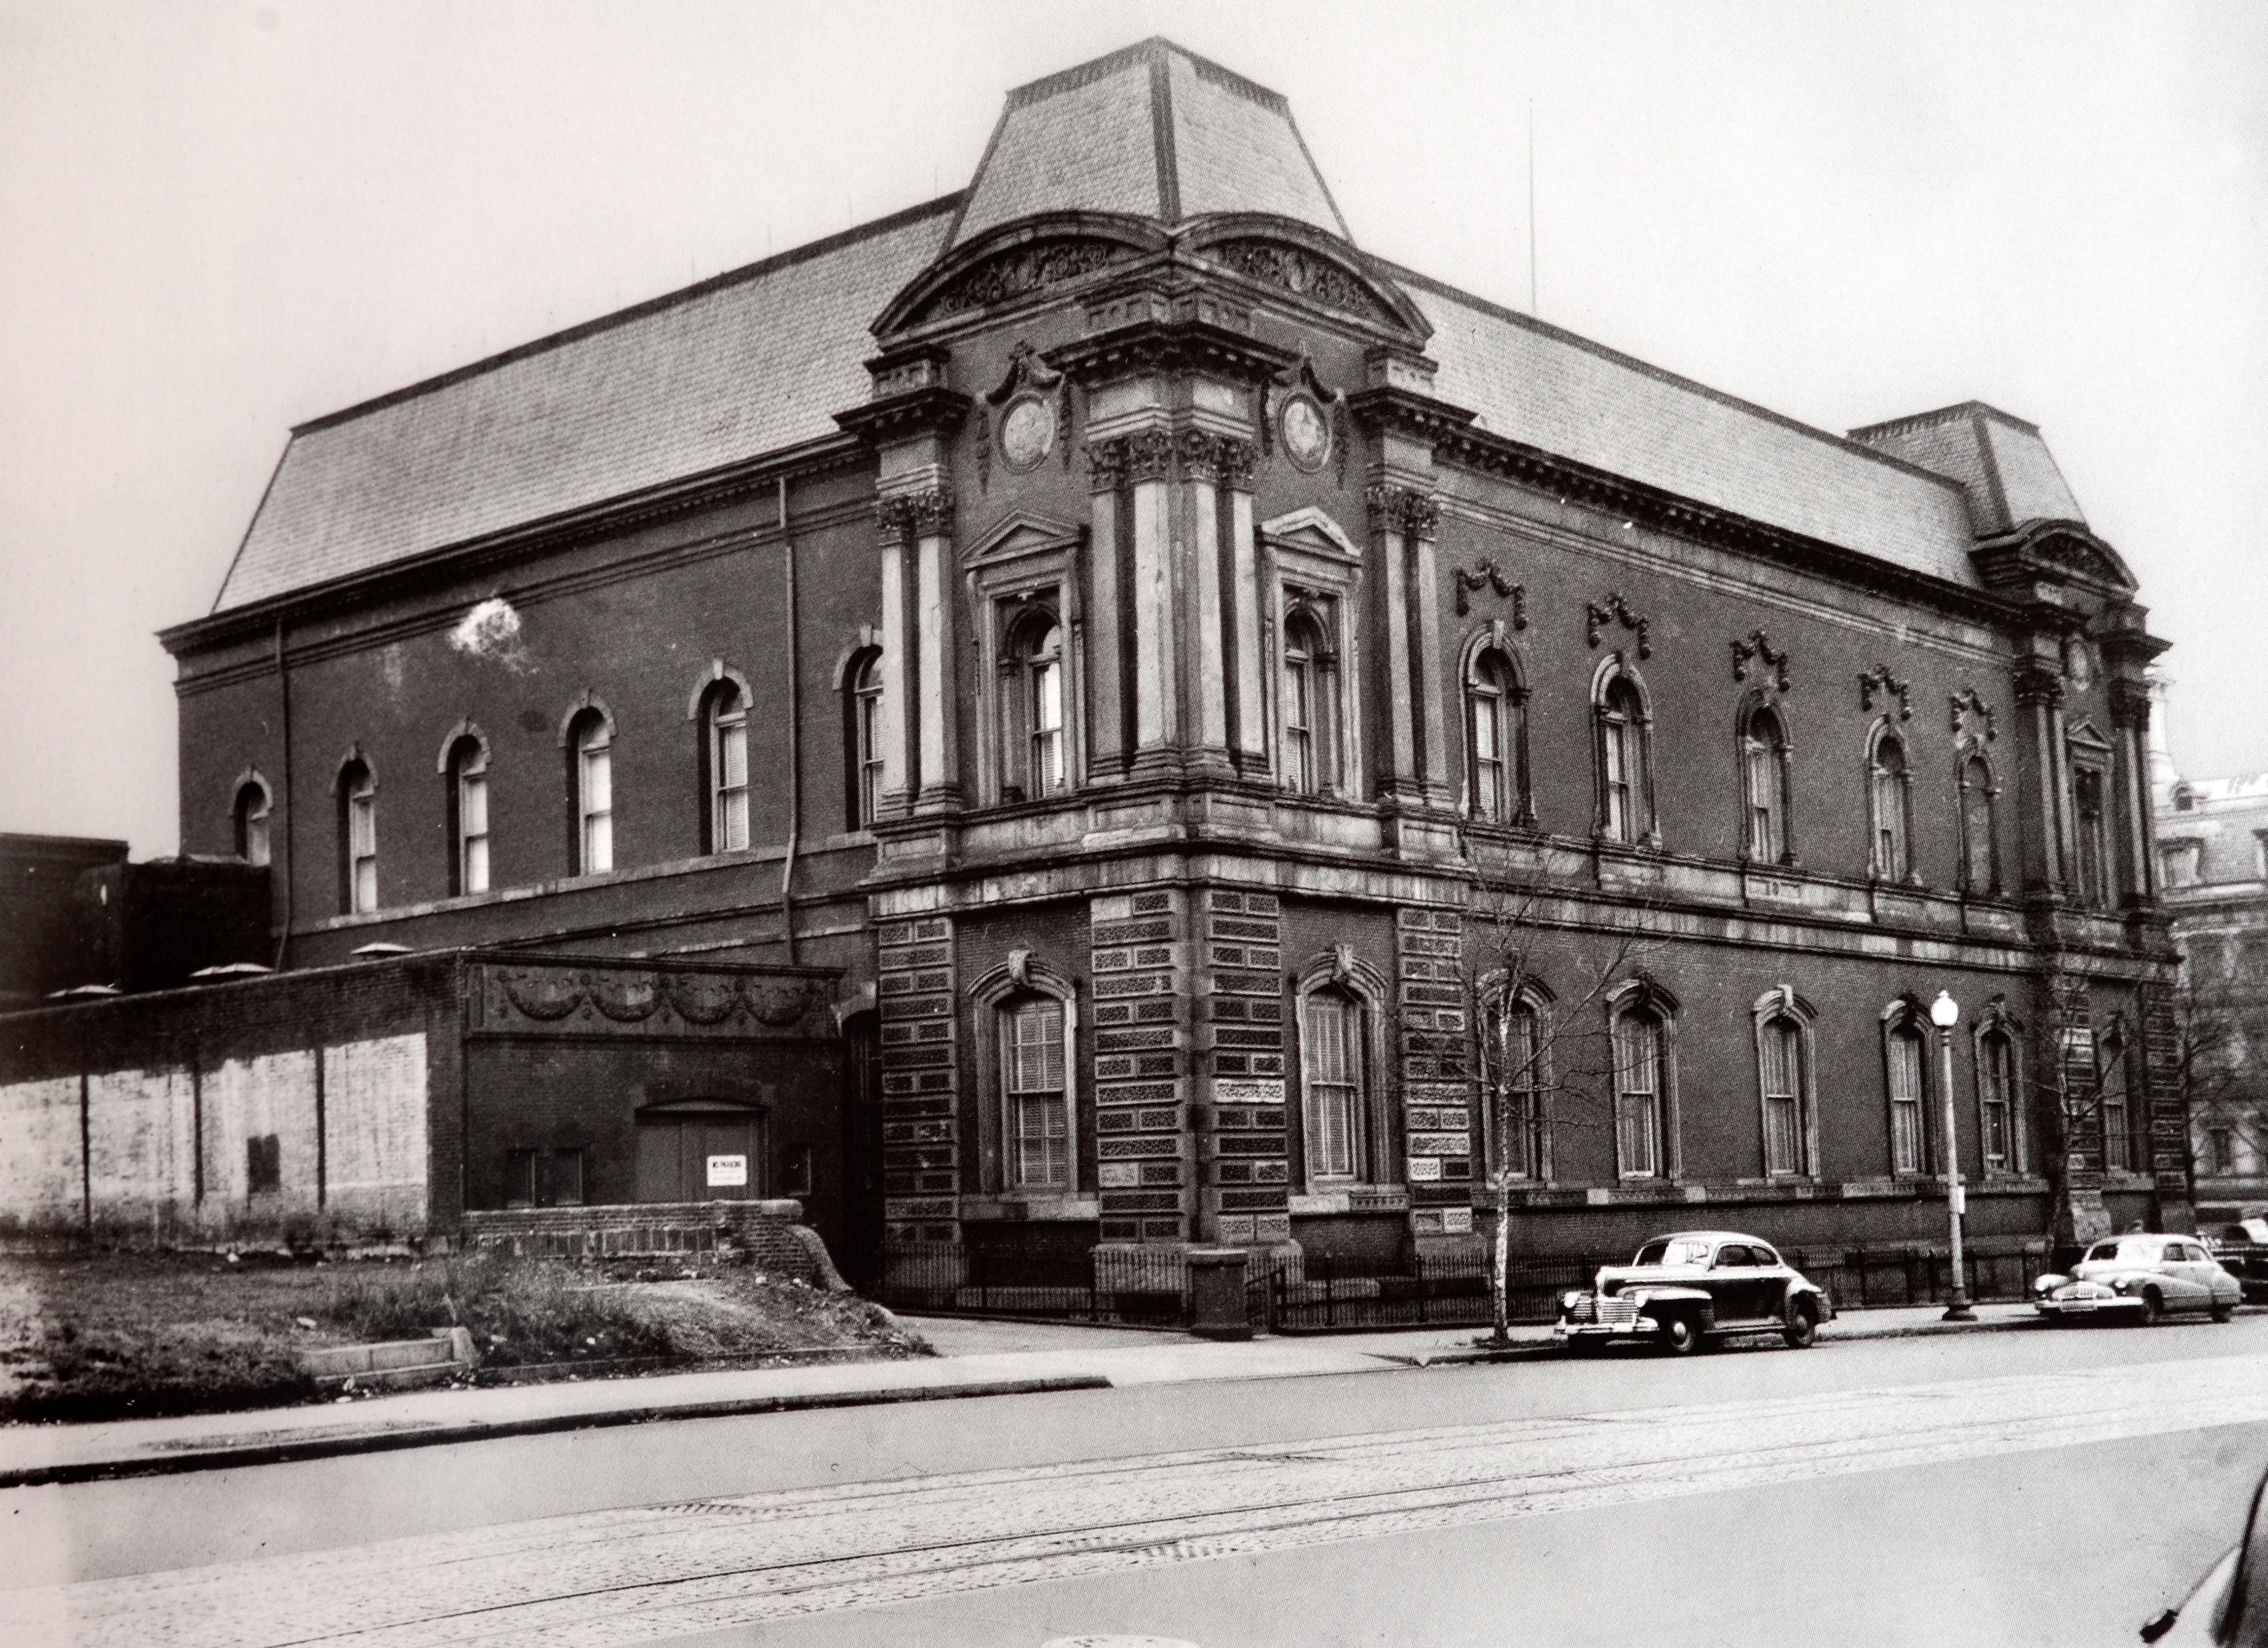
(591, 780)
(1905, 1056)
(2124, 1145)
(1031, 1031)
(468, 816)
(1624, 753)
(251, 816)
(1334, 1059)
(1766, 769)
(1999, 1141)
(1496, 776)
(2093, 838)
(358, 839)
(1513, 1050)
(725, 739)
(1033, 760)
(1310, 704)
(1642, 1131)
(864, 742)
(1890, 796)
(1784, 1079)
(1980, 857)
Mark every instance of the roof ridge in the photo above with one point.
(638, 311)
(1952, 414)
(1663, 374)
(1151, 51)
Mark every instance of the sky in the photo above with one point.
(218, 220)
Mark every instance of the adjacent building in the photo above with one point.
(1275, 749)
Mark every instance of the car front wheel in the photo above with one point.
(2153, 1307)
(1802, 1329)
(1680, 1334)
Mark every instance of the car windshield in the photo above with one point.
(1675, 1251)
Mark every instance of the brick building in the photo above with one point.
(1159, 650)
(2212, 855)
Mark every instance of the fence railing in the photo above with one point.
(1135, 1286)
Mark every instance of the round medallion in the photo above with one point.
(1028, 432)
(1306, 434)
(2078, 662)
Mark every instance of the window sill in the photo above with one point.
(1022, 1208)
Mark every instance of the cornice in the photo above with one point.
(1574, 482)
(929, 409)
(827, 455)
(1170, 345)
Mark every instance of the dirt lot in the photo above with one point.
(106, 1335)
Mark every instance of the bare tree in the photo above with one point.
(1547, 1054)
(2220, 1036)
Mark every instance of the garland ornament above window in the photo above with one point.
(1967, 708)
(1489, 574)
(1881, 680)
(1598, 615)
(1758, 649)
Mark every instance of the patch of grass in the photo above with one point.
(102, 1335)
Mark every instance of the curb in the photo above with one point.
(437, 1436)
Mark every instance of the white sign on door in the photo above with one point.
(727, 1172)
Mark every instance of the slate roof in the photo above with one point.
(760, 361)
(1534, 383)
(2000, 461)
(747, 363)
(1151, 129)
(2226, 818)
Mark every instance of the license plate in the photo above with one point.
(2078, 1305)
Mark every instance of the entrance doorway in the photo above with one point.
(701, 1149)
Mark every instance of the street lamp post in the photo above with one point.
(1945, 1012)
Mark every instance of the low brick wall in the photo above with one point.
(772, 1233)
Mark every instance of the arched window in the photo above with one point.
(1514, 1083)
(1905, 1058)
(1031, 755)
(1784, 1079)
(1766, 766)
(1625, 754)
(1980, 855)
(1890, 794)
(468, 816)
(724, 744)
(1643, 1131)
(864, 742)
(1035, 1095)
(2126, 1143)
(251, 815)
(1334, 1062)
(2093, 838)
(358, 839)
(591, 781)
(1310, 705)
(1999, 1133)
(1496, 765)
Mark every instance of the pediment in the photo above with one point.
(1017, 534)
(1313, 530)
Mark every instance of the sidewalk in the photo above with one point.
(977, 1358)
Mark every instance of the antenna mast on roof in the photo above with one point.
(1532, 309)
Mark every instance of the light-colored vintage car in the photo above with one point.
(1692, 1289)
(2139, 1278)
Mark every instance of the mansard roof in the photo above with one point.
(1151, 145)
(1153, 132)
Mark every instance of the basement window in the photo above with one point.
(264, 1164)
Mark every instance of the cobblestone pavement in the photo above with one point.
(656, 1572)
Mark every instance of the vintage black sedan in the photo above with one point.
(1693, 1289)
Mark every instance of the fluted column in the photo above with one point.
(895, 517)
(1243, 626)
(1106, 618)
(1398, 516)
(1150, 474)
(922, 632)
(1198, 553)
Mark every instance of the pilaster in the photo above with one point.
(1244, 625)
(1437, 1071)
(1150, 464)
(1139, 967)
(2169, 1116)
(921, 1102)
(1108, 584)
(1240, 1050)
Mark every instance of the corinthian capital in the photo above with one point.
(1237, 460)
(927, 513)
(1403, 509)
(1106, 465)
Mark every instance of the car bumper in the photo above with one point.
(1606, 1333)
(2116, 1306)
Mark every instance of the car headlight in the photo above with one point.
(2122, 1284)
(2046, 1285)
(1569, 1300)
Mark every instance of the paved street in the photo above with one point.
(2017, 1487)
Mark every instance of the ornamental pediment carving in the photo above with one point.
(1021, 533)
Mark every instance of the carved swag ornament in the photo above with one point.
(1613, 609)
